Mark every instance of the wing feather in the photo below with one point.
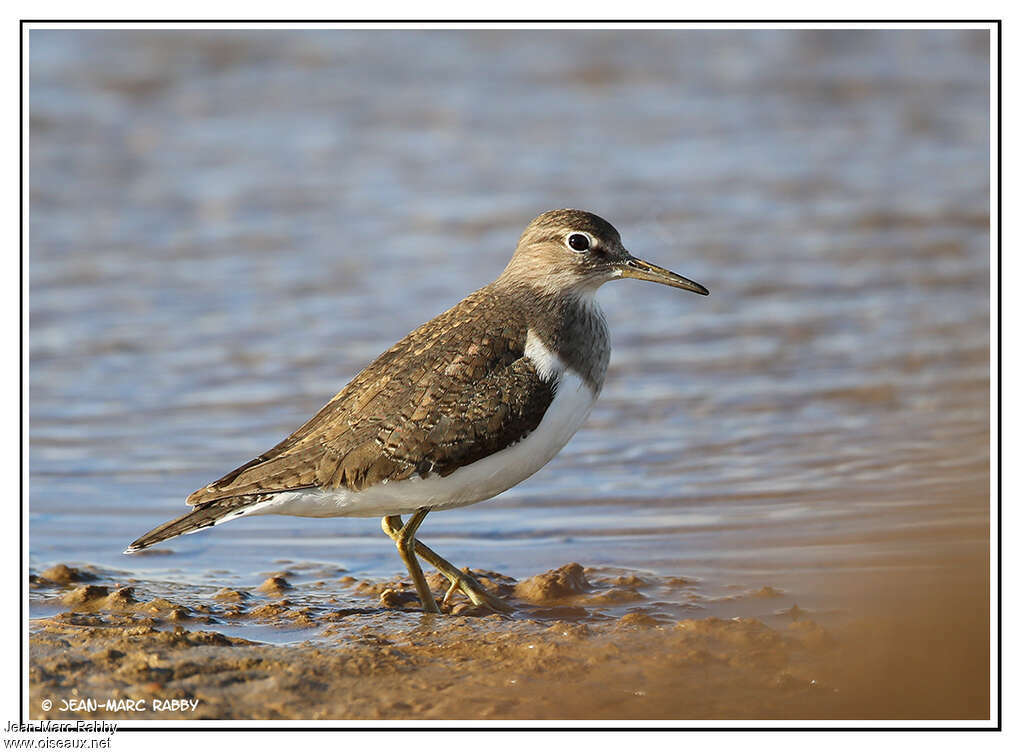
(450, 393)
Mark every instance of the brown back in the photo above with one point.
(451, 392)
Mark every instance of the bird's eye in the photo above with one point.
(578, 242)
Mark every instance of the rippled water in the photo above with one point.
(226, 226)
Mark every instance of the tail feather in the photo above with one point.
(201, 517)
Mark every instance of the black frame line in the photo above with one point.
(537, 728)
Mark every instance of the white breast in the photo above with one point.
(478, 481)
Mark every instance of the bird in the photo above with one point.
(461, 409)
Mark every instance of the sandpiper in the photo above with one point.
(459, 410)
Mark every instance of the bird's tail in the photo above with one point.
(201, 517)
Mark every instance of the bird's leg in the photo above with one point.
(464, 582)
(405, 540)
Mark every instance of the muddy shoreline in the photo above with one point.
(583, 644)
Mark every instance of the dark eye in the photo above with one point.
(579, 242)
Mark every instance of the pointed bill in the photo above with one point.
(641, 270)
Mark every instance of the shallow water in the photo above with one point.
(226, 226)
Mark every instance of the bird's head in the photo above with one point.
(572, 251)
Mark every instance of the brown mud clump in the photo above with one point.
(275, 585)
(638, 620)
(396, 598)
(85, 595)
(64, 574)
(559, 584)
(95, 597)
(768, 592)
(166, 609)
(231, 596)
(121, 599)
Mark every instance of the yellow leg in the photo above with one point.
(404, 538)
(463, 582)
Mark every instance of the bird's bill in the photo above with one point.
(641, 270)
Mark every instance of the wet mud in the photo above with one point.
(583, 643)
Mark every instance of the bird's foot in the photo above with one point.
(463, 581)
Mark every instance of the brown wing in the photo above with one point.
(450, 393)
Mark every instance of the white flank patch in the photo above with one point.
(549, 367)
(470, 484)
